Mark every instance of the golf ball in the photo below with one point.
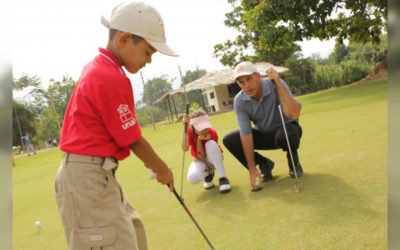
(37, 223)
(257, 182)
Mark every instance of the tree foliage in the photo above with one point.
(194, 96)
(260, 39)
(25, 81)
(47, 128)
(59, 92)
(24, 121)
(44, 113)
(55, 99)
(270, 28)
(155, 88)
(300, 77)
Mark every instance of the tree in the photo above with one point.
(369, 52)
(300, 77)
(26, 81)
(194, 96)
(59, 92)
(270, 27)
(56, 97)
(155, 88)
(317, 59)
(339, 53)
(260, 40)
(46, 127)
(23, 122)
(23, 117)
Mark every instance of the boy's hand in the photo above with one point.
(165, 176)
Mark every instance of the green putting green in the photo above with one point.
(342, 202)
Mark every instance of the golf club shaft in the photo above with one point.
(284, 128)
(287, 140)
(194, 221)
(183, 158)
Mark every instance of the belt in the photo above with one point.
(106, 162)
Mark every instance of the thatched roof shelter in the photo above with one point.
(215, 78)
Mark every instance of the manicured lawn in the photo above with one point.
(342, 203)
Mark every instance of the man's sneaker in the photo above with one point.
(266, 170)
(224, 186)
(208, 181)
(299, 171)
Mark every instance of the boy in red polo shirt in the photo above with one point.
(100, 129)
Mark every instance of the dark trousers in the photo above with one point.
(266, 141)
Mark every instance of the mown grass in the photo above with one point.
(342, 203)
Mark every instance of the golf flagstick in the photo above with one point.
(184, 152)
(278, 102)
(191, 217)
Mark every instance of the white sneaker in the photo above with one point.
(224, 186)
(208, 181)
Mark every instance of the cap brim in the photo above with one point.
(202, 125)
(161, 47)
(242, 74)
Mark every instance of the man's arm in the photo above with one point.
(248, 149)
(144, 151)
(290, 105)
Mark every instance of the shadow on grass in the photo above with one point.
(323, 198)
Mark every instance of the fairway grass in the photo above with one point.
(342, 202)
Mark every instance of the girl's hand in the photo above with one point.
(204, 137)
(186, 119)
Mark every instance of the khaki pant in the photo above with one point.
(95, 212)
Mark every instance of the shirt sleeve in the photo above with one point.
(120, 120)
(242, 117)
(116, 107)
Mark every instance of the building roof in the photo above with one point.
(216, 78)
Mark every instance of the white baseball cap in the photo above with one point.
(141, 19)
(200, 122)
(244, 69)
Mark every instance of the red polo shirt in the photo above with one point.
(100, 118)
(192, 141)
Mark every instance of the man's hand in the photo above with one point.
(273, 75)
(254, 175)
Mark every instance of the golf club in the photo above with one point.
(184, 152)
(191, 217)
(278, 102)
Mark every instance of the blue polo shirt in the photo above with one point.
(263, 113)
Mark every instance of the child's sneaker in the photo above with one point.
(208, 181)
(224, 186)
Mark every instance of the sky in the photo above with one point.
(53, 38)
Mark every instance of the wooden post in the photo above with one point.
(19, 128)
(176, 113)
(166, 109)
(169, 104)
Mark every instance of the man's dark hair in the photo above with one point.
(135, 38)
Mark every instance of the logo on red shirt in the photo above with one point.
(126, 116)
